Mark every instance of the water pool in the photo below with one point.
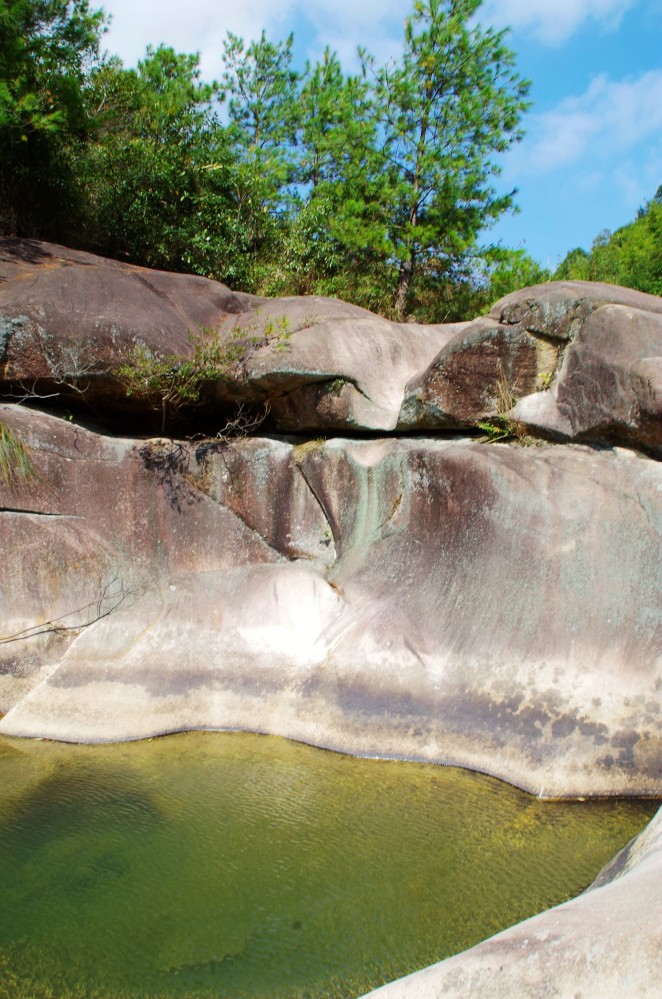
(235, 865)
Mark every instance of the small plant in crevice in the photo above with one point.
(545, 381)
(181, 465)
(503, 427)
(15, 461)
(275, 329)
(494, 430)
(311, 319)
(170, 384)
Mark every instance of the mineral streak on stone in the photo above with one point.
(493, 607)
(428, 597)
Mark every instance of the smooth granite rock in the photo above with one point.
(69, 320)
(436, 598)
(609, 386)
(489, 606)
(568, 360)
(334, 367)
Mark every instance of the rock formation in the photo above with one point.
(411, 590)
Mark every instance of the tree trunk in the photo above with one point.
(402, 293)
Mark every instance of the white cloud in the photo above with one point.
(637, 181)
(194, 26)
(202, 25)
(344, 25)
(554, 21)
(605, 123)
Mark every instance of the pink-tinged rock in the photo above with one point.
(609, 386)
(575, 359)
(102, 519)
(69, 316)
(493, 607)
(491, 588)
(330, 366)
(60, 296)
(475, 377)
(606, 943)
(559, 309)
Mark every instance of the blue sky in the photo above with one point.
(593, 147)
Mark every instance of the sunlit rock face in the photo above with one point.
(567, 360)
(406, 590)
(491, 606)
(69, 318)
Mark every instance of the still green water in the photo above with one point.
(234, 865)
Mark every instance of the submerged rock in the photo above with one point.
(606, 942)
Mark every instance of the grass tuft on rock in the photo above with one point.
(15, 461)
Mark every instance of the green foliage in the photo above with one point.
(494, 430)
(46, 48)
(372, 188)
(631, 256)
(503, 271)
(170, 384)
(450, 103)
(260, 88)
(574, 267)
(15, 461)
(158, 175)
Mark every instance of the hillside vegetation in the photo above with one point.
(631, 256)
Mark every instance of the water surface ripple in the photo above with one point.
(248, 867)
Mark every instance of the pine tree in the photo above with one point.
(444, 110)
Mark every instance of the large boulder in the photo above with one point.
(69, 320)
(568, 360)
(609, 385)
(476, 377)
(492, 607)
(495, 607)
(332, 366)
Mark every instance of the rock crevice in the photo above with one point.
(382, 582)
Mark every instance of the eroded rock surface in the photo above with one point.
(493, 607)
(436, 598)
(69, 320)
(331, 370)
(72, 318)
(568, 360)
